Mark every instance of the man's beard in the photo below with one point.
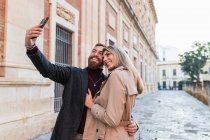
(94, 65)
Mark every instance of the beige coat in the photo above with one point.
(112, 108)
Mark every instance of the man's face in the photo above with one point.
(95, 59)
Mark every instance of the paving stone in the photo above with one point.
(172, 115)
(169, 115)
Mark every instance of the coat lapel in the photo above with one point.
(85, 79)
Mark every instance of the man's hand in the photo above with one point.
(131, 128)
(31, 35)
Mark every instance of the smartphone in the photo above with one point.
(41, 25)
(43, 22)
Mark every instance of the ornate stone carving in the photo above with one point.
(65, 13)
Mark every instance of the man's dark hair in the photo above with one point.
(100, 44)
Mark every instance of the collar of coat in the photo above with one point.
(118, 68)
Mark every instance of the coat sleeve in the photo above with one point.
(56, 73)
(112, 114)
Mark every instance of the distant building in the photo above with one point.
(170, 74)
(206, 72)
(29, 103)
(169, 70)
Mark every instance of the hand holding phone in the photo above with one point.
(41, 25)
(33, 33)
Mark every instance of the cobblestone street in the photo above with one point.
(172, 115)
(169, 115)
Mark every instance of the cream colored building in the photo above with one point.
(169, 70)
(170, 74)
(206, 69)
(29, 102)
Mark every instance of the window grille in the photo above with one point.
(63, 57)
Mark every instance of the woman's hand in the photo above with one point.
(89, 100)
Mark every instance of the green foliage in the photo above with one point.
(192, 62)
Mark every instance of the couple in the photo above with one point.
(86, 113)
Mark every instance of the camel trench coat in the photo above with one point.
(112, 109)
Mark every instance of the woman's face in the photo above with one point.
(109, 60)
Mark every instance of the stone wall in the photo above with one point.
(27, 103)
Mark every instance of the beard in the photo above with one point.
(94, 65)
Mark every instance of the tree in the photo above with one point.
(193, 61)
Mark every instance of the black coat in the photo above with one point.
(75, 81)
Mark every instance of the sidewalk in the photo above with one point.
(172, 115)
(169, 115)
(43, 137)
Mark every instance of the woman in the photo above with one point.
(111, 108)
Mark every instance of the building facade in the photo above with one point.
(206, 72)
(169, 70)
(29, 103)
(170, 74)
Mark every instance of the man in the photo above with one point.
(71, 118)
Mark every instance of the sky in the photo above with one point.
(182, 22)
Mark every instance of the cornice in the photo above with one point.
(151, 3)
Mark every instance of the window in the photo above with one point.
(111, 40)
(174, 72)
(125, 35)
(135, 61)
(209, 70)
(145, 73)
(164, 59)
(63, 57)
(174, 84)
(164, 73)
(141, 69)
(134, 40)
(164, 84)
(111, 43)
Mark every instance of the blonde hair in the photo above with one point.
(124, 60)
